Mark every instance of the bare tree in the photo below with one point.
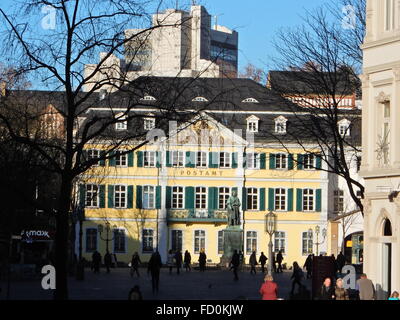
(252, 72)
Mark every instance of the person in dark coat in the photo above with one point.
(341, 261)
(187, 261)
(273, 262)
(154, 267)
(253, 263)
(96, 261)
(135, 293)
(135, 262)
(279, 259)
(262, 260)
(107, 261)
(178, 261)
(327, 291)
(297, 277)
(202, 260)
(308, 266)
(235, 263)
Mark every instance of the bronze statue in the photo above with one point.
(232, 206)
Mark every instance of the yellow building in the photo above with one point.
(172, 194)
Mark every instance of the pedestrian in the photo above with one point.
(187, 261)
(262, 260)
(154, 267)
(114, 260)
(273, 262)
(297, 277)
(308, 266)
(107, 261)
(394, 296)
(96, 261)
(178, 261)
(365, 288)
(269, 289)
(279, 259)
(235, 263)
(135, 262)
(327, 291)
(202, 260)
(253, 263)
(341, 261)
(135, 293)
(340, 292)
(170, 260)
(241, 259)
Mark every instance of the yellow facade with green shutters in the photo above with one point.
(156, 205)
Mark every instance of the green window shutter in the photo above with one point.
(234, 160)
(212, 198)
(111, 161)
(139, 197)
(272, 162)
(213, 160)
(130, 197)
(102, 162)
(130, 159)
(110, 196)
(82, 195)
(263, 161)
(102, 196)
(189, 198)
(168, 197)
(158, 197)
(262, 199)
(244, 199)
(168, 162)
(271, 199)
(300, 158)
(140, 161)
(244, 160)
(159, 159)
(290, 162)
(190, 159)
(318, 204)
(318, 164)
(290, 200)
(299, 200)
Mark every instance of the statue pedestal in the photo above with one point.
(233, 240)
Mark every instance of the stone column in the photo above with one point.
(394, 103)
(365, 165)
(162, 222)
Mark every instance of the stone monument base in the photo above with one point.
(233, 240)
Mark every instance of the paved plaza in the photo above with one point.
(194, 285)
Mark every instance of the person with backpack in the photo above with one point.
(297, 277)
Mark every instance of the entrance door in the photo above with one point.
(387, 269)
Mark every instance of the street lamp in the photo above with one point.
(107, 239)
(270, 227)
(317, 232)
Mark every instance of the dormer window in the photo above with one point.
(148, 98)
(250, 100)
(149, 124)
(252, 124)
(200, 99)
(280, 125)
(344, 127)
(122, 123)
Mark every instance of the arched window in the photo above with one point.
(200, 99)
(387, 228)
(250, 100)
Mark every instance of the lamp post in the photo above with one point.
(270, 227)
(107, 239)
(317, 232)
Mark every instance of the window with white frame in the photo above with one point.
(176, 240)
(177, 197)
(280, 125)
(201, 160)
(223, 196)
(225, 160)
(338, 201)
(177, 159)
(199, 241)
(91, 240)
(280, 242)
(120, 196)
(93, 154)
(220, 242)
(251, 242)
(344, 128)
(250, 100)
(121, 160)
(149, 159)
(309, 161)
(147, 240)
(149, 124)
(200, 99)
(122, 123)
(307, 243)
(119, 240)
(281, 161)
(148, 98)
(280, 199)
(92, 196)
(252, 199)
(252, 124)
(148, 197)
(308, 200)
(252, 161)
(201, 198)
